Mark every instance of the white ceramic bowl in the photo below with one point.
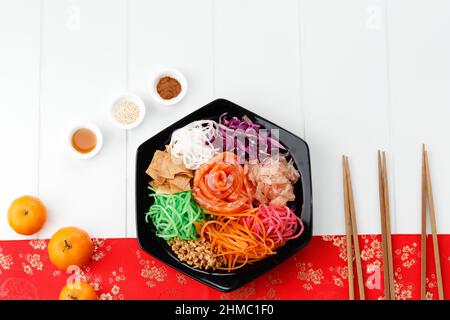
(97, 148)
(136, 100)
(173, 73)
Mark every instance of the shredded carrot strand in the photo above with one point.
(235, 242)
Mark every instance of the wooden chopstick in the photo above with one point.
(387, 293)
(354, 226)
(385, 215)
(433, 227)
(388, 228)
(348, 232)
(423, 245)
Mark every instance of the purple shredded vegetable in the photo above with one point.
(249, 140)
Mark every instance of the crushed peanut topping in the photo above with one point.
(196, 253)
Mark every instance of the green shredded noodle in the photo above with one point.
(174, 215)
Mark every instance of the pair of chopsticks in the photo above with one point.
(351, 230)
(385, 215)
(427, 194)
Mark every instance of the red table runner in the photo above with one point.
(122, 270)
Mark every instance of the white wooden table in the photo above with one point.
(349, 76)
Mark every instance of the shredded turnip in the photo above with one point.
(193, 143)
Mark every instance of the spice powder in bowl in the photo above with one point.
(168, 88)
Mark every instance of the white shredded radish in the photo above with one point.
(193, 143)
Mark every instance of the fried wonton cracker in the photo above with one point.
(169, 174)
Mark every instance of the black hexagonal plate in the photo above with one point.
(222, 280)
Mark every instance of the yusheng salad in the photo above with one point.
(220, 193)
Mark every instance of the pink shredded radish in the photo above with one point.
(280, 222)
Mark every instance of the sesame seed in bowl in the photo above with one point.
(127, 111)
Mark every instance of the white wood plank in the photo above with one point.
(84, 63)
(249, 53)
(166, 34)
(346, 105)
(19, 96)
(257, 58)
(419, 59)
